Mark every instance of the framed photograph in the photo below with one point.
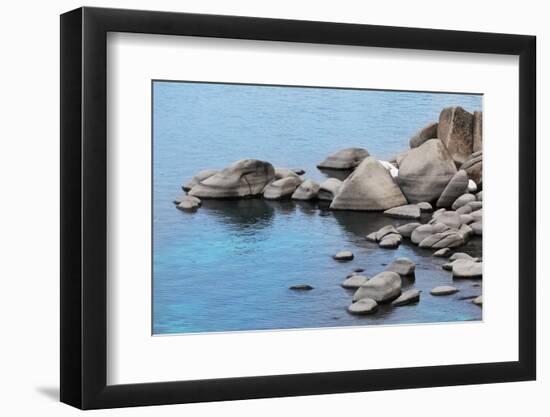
(257, 208)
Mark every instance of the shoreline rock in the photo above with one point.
(347, 158)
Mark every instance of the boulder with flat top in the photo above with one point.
(345, 159)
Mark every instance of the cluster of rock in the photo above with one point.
(444, 161)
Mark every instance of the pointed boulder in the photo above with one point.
(425, 171)
(369, 187)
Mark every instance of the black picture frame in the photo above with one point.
(84, 207)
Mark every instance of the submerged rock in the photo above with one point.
(403, 266)
(369, 187)
(301, 287)
(308, 190)
(407, 297)
(409, 211)
(455, 130)
(425, 171)
(457, 186)
(345, 159)
(444, 290)
(329, 188)
(244, 178)
(189, 203)
(355, 281)
(426, 133)
(344, 255)
(383, 287)
(363, 306)
(282, 188)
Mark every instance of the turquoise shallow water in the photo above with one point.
(228, 266)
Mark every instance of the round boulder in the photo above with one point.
(308, 190)
(386, 286)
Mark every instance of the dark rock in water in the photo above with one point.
(409, 211)
(329, 188)
(308, 190)
(386, 286)
(455, 130)
(474, 169)
(444, 290)
(344, 159)
(425, 171)
(467, 297)
(463, 200)
(344, 255)
(442, 253)
(478, 131)
(390, 241)
(407, 229)
(403, 266)
(428, 132)
(298, 171)
(282, 188)
(200, 176)
(369, 187)
(244, 178)
(364, 306)
(407, 297)
(457, 186)
(301, 287)
(358, 270)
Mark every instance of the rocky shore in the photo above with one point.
(441, 170)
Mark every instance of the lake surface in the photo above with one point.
(228, 266)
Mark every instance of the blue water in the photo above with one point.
(228, 266)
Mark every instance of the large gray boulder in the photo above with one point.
(308, 190)
(425, 171)
(369, 187)
(386, 286)
(345, 159)
(403, 266)
(474, 168)
(455, 130)
(198, 177)
(407, 297)
(282, 188)
(478, 131)
(244, 178)
(409, 211)
(329, 188)
(363, 306)
(426, 133)
(457, 186)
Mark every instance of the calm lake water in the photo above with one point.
(228, 266)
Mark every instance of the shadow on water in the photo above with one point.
(242, 214)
